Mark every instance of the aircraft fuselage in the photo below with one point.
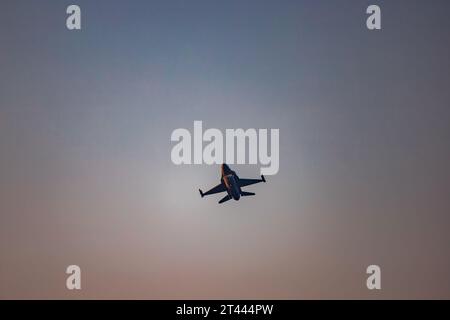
(231, 183)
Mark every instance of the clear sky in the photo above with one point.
(85, 170)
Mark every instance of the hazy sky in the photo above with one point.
(85, 170)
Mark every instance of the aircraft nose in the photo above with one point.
(225, 169)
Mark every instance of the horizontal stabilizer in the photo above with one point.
(226, 198)
(246, 194)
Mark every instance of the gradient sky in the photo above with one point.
(85, 169)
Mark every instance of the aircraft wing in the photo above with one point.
(217, 189)
(247, 182)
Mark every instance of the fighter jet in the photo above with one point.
(232, 184)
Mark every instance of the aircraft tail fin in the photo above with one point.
(226, 198)
(201, 192)
(246, 194)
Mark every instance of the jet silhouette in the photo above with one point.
(231, 183)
